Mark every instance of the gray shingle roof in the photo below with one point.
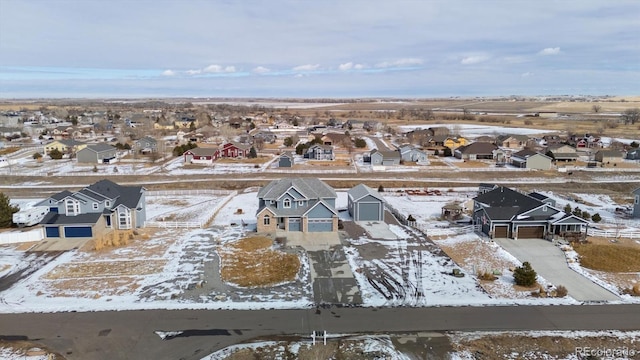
(60, 219)
(311, 188)
(359, 191)
(503, 203)
(128, 196)
(478, 148)
(61, 195)
(100, 147)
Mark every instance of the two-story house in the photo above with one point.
(319, 152)
(94, 210)
(297, 204)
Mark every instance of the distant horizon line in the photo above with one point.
(307, 98)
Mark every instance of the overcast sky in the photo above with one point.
(328, 48)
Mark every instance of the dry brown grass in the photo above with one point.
(336, 162)
(471, 164)
(497, 346)
(251, 262)
(105, 269)
(258, 160)
(609, 257)
(9, 150)
(95, 287)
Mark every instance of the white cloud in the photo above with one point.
(168, 73)
(550, 51)
(260, 70)
(219, 69)
(405, 62)
(474, 59)
(307, 67)
(527, 74)
(193, 72)
(350, 66)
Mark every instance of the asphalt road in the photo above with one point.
(130, 334)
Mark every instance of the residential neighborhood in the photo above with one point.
(348, 212)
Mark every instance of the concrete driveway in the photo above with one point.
(550, 263)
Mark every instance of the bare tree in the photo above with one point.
(596, 108)
(258, 143)
(631, 116)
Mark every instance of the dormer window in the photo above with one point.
(107, 203)
(286, 203)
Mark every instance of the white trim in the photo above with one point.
(95, 206)
(286, 203)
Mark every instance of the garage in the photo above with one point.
(295, 224)
(52, 231)
(500, 231)
(319, 225)
(365, 204)
(77, 231)
(530, 232)
(368, 211)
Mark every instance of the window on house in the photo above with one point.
(300, 203)
(95, 206)
(72, 207)
(107, 203)
(286, 203)
(266, 220)
(637, 199)
(544, 208)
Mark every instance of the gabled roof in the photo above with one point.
(61, 195)
(478, 148)
(525, 153)
(203, 151)
(102, 147)
(321, 203)
(287, 154)
(70, 142)
(503, 203)
(519, 137)
(237, 145)
(310, 188)
(570, 219)
(609, 153)
(387, 154)
(360, 191)
(129, 196)
(148, 139)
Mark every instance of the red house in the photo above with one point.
(205, 156)
(233, 150)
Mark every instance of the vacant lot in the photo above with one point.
(251, 262)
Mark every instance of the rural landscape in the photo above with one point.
(326, 207)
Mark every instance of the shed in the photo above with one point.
(365, 204)
(286, 160)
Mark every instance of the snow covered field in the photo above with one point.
(474, 130)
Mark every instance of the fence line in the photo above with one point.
(21, 236)
(173, 224)
(614, 234)
(190, 192)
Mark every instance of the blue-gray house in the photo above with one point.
(365, 204)
(298, 204)
(286, 160)
(94, 210)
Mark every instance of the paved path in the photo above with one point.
(131, 334)
(550, 263)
